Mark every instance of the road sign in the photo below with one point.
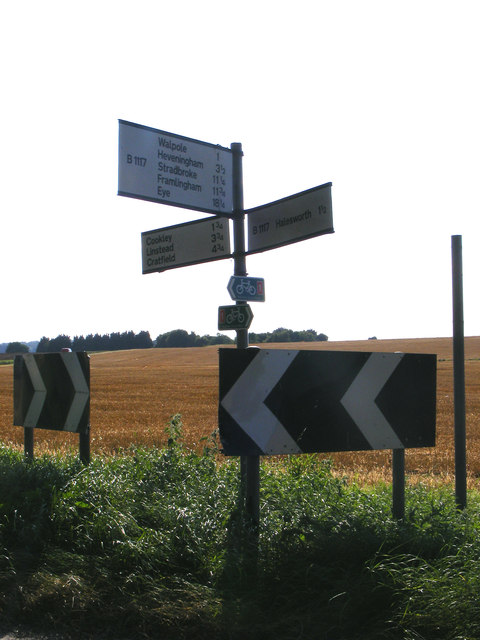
(304, 215)
(52, 391)
(236, 316)
(171, 169)
(288, 401)
(247, 288)
(185, 244)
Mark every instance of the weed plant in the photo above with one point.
(153, 543)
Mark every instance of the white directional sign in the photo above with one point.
(288, 401)
(185, 244)
(304, 215)
(164, 167)
(52, 391)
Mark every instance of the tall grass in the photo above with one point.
(153, 543)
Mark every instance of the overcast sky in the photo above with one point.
(379, 97)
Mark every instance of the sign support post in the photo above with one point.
(52, 391)
(28, 442)
(249, 465)
(459, 375)
(398, 483)
(84, 446)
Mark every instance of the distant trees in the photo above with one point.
(97, 342)
(176, 338)
(181, 338)
(17, 347)
(287, 335)
(60, 342)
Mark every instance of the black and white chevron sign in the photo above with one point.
(285, 401)
(52, 391)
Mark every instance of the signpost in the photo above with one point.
(287, 401)
(234, 317)
(459, 376)
(185, 244)
(52, 391)
(304, 215)
(247, 288)
(171, 169)
(281, 401)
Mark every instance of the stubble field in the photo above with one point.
(134, 393)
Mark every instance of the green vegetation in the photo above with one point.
(287, 335)
(17, 347)
(96, 342)
(152, 543)
(176, 338)
(181, 338)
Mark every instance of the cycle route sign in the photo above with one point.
(238, 316)
(186, 244)
(164, 167)
(247, 288)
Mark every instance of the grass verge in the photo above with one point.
(153, 544)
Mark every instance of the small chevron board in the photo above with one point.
(52, 391)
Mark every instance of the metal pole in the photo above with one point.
(28, 442)
(398, 483)
(459, 375)
(84, 446)
(249, 465)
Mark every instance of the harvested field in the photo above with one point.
(135, 392)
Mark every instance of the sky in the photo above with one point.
(378, 97)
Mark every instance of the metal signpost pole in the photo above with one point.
(84, 446)
(28, 442)
(249, 465)
(398, 483)
(459, 375)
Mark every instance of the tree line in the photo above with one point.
(181, 338)
(97, 342)
(176, 338)
(287, 335)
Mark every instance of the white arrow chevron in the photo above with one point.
(39, 391)
(359, 400)
(245, 401)
(82, 392)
